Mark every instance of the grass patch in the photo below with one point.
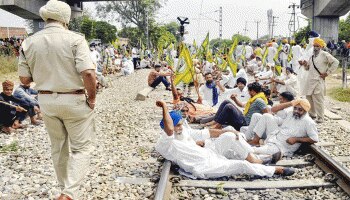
(11, 147)
(8, 64)
(8, 68)
(340, 94)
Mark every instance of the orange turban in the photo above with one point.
(319, 42)
(304, 103)
(7, 84)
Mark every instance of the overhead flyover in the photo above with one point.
(29, 9)
(325, 15)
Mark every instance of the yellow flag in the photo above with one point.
(195, 44)
(243, 54)
(115, 43)
(290, 55)
(203, 51)
(185, 69)
(223, 65)
(279, 49)
(278, 69)
(232, 64)
(278, 65)
(209, 57)
(266, 51)
(169, 60)
(205, 44)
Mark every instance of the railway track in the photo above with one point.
(317, 171)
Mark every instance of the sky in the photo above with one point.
(237, 15)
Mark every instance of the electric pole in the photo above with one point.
(245, 28)
(147, 30)
(257, 31)
(273, 23)
(292, 21)
(220, 23)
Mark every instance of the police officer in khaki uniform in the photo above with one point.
(59, 62)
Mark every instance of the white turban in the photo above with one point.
(56, 10)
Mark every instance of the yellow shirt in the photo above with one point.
(54, 58)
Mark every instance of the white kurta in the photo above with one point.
(240, 74)
(271, 54)
(205, 162)
(207, 95)
(239, 51)
(290, 85)
(296, 51)
(248, 51)
(325, 62)
(278, 131)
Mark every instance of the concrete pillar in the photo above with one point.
(327, 27)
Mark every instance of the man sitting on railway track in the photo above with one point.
(177, 145)
(286, 135)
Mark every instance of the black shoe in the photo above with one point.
(266, 161)
(288, 171)
(276, 157)
(168, 89)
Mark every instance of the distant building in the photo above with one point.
(8, 32)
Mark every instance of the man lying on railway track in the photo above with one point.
(176, 145)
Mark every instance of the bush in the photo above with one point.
(8, 64)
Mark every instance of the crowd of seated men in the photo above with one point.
(16, 105)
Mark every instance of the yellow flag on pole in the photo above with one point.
(266, 51)
(278, 65)
(185, 69)
(232, 64)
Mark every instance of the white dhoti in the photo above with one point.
(206, 163)
(249, 130)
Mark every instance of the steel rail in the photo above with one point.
(322, 159)
(163, 181)
(328, 164)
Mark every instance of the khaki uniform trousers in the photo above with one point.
(317, 103)
(70, 124)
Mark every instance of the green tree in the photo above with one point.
(218, 43)
(241, 38)
(105, 31)
(344, 29)
(133, 33)
(302, 33)
(173, 28)
(87, 27)
(130, 12)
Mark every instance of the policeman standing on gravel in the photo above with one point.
(59, 62)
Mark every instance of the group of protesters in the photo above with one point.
(250, 118)
(243, 131)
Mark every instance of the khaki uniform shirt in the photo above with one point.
(324, 62)
(54, 58)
